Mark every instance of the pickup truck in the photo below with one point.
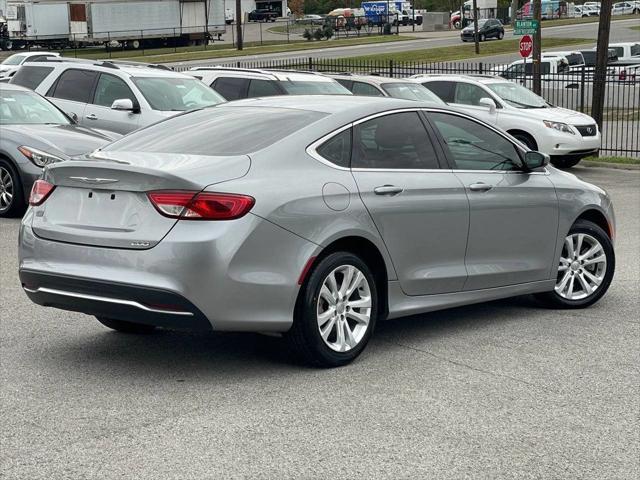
(263, 15)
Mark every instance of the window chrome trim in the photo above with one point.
(312, 152)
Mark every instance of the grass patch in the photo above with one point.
(163, 55)
(637, 27)
(463, 52)
(622, 160)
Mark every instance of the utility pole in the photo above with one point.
(537, 47)
(514, 9)
(475, 26)
(239, 23)
(600, 75)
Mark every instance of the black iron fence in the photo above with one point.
(572, 90)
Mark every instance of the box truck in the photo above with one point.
(134, 24)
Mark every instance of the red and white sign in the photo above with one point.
(526, 46)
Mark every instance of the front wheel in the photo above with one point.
(336, 311)
(585, 269)
(482, 37)
(500, 35)
(126, 327)
(12, 202)
(565, 162)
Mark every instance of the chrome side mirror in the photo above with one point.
(489, 103)
(123, 104)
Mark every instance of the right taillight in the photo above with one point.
(187, 205)
(40, 192)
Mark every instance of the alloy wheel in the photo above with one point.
(6, 189)
(344, 308)
(583, 266)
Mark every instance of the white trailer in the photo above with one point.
(37, 22)
(135, 23)
(147, 22)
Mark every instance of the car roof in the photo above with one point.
(330, 104)
(275, 74)
(375, 79)
(11, 86)
(456, 77)
(132, 69)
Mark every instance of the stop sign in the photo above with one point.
(526, 46)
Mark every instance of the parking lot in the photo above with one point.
(499, 390)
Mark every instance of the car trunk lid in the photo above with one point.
(103, 201)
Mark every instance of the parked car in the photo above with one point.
(378, 86)
(565, 135)
(311, 19)
(12, 63)
(626, 51)
(487, 28)
(262, 15)
(33, 134)
(574, 59)
(550, 67)
(119, 97)
(625, 8)
(405, 208)
(238, 83)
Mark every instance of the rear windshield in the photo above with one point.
(574, 59)
(218, 131)
(31, 77)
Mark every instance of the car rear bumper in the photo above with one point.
(239, 275)
(119, 301)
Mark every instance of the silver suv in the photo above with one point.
(115, 96)
(238, 83)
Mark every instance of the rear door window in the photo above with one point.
(361, 88)
(75, 85)
(31, 77)
(231, 88)
(262, 88)
(445, 90)
(395, 141)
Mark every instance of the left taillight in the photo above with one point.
(40, 192)
(201, 206)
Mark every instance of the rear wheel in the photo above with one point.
(336, 311)
(482, 37)
(126, 327)
(585, 270)
(500, 35)
(12, 202)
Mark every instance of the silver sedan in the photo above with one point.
(312, 217)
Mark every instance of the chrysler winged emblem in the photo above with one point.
(94, 181)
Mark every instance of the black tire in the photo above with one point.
(126, 327)
(554, 300)
(17, 205)
(500, 35)
(565, 162)
(304, 336)
(482, 37)
(527, 139)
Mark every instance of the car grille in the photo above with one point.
(588, 130)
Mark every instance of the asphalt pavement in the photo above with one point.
(499, 390)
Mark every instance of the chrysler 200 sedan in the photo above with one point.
(314, 217)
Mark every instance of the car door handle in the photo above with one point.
(91, 116)
(480, 187)
(388, 190)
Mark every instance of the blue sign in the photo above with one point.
(374, 9)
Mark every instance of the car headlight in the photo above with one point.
(561, 127)
(38, 157)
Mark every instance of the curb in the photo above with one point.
(615, 166)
